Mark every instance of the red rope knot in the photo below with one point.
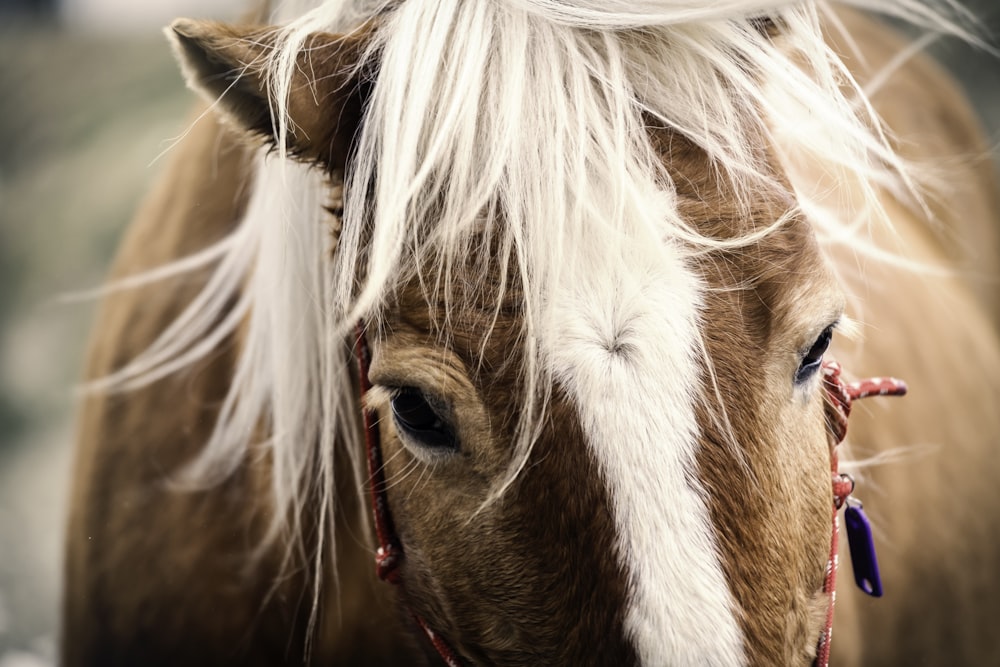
(387, 561)
(843, 486)
(842, 395)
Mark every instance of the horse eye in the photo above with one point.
(813, 359)
(418, 419)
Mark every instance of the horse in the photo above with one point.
(536, 302)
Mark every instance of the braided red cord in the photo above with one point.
(841, 395)
(389, 555)
(830, 588)
(444, 650)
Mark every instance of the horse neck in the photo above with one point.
(944, 139)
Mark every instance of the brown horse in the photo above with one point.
(598, 251)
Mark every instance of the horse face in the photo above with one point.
(675, 506)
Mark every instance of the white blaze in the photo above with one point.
(625, 325)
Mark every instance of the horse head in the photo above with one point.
(597, 386)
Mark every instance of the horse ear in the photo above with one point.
(229, 65)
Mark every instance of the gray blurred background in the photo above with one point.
(89, 97)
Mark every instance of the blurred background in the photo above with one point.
(89, 97)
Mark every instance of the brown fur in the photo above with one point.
(774, 536)
(469, 574)
(160, 577)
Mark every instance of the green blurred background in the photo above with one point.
(86, 106)
(89, 97)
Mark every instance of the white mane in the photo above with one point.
(529, 111)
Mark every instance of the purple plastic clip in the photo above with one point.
(862, 547)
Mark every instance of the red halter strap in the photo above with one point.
(841, 395)
(389, 555)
